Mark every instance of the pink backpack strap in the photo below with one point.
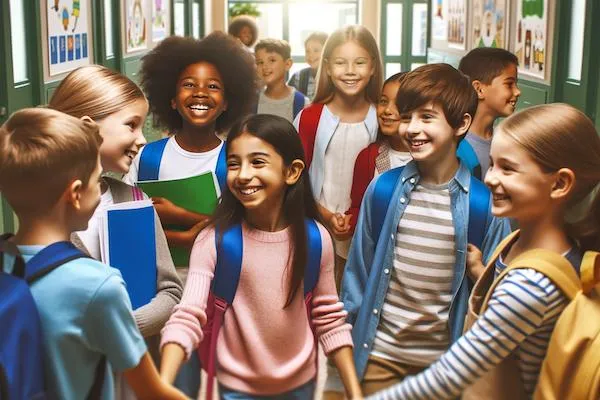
(210, 360)
(137, 193)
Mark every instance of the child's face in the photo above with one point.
(271, 67)
(256, 175)
(245, 35)
(427, 134)
(122, 136)
(501, 96)
(520, 188)
(350, 68)
(200, 95)
(88, 199)
(387, 113)
(312, 53)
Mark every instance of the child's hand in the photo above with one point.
(475, 267)
(169, 213)
(187, 238)
(340, 226)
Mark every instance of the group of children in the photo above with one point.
(362, 225)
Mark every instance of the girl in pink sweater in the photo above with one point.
(266, 346)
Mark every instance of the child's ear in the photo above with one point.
(563, 183)
(465, 123)
(288, 64)
(72, 193)
(173, 104)
(87, 118)
(479, 89)
(294, 171)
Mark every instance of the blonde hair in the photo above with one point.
(560, 136)
(361, 35)
(41, 152)
(95, 91)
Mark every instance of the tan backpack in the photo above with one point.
(571, 369)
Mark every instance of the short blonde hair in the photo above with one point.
(95, 91)
(361, 35)
(560, 136)
(41, 152)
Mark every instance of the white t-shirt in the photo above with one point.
(347, 141)
(177, 163)
(91, 236)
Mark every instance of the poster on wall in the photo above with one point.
(438, 20)
(489, 23)
(531, 37)
(160, 19)
(68, 35)
(136, 13)
(457, 17)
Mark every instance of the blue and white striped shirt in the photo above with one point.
(521, 315)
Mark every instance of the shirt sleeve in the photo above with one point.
(111, 327)
(328, 314)
(517, 309)
(184, 327)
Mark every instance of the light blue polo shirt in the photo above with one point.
(85, 313)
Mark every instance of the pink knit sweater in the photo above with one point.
(263, 349)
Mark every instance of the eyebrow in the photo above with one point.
(194, 78)
(255, 154)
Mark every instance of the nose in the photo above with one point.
(517, 91)
(140, 140)
(244, 173)
(414, 126)
(491, 179)
(200, 91)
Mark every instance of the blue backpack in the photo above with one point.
(479, 205)
(299, 101)
(152, 155)
(21, 348)
(467, 155)
(225, 283)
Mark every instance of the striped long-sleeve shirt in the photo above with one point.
(521, 314)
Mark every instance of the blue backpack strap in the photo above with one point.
(479, 206)
(50, 258)
(298, 102)
(467, 155)
(382, 194)
(313, 264)
(229, 263)
(150, 160)
(221, 169)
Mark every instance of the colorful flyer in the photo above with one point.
(531, 37)
(66, 20)
(136, 18)
(489, 23)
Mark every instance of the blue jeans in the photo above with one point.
(188, 378)
(304, 392)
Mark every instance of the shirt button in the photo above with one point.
(412, 180)
(366, 346)
(403, 179)
(375, 311)
(386, 271)
(402, 200)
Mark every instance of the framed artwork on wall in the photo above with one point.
(490, 22)
(137, 16)
(531, 37)
(449, 24)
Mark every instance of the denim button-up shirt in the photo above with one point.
(368, 269)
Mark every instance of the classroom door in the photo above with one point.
(404, 33)
(579, 60)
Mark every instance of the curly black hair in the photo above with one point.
(237, 23)
(162, 66)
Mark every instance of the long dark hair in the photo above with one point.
(298, 202)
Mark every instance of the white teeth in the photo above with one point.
(249, 191)
(418, 142)
(199, 107)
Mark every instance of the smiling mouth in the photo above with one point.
(513, 103)
(417, 143)
(388, 121)
(131, 154)
(248, 191)
(499, 197)
(199, 107)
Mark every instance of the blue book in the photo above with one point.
(128, 243)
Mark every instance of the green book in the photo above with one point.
(196, 193)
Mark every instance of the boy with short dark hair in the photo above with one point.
(50, 175)
(493, 74)
(273, 61)
(405, 285)
(305, 80)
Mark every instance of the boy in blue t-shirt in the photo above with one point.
(49, 173)
(493, 74)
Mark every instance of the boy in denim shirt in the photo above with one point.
(406, 288)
